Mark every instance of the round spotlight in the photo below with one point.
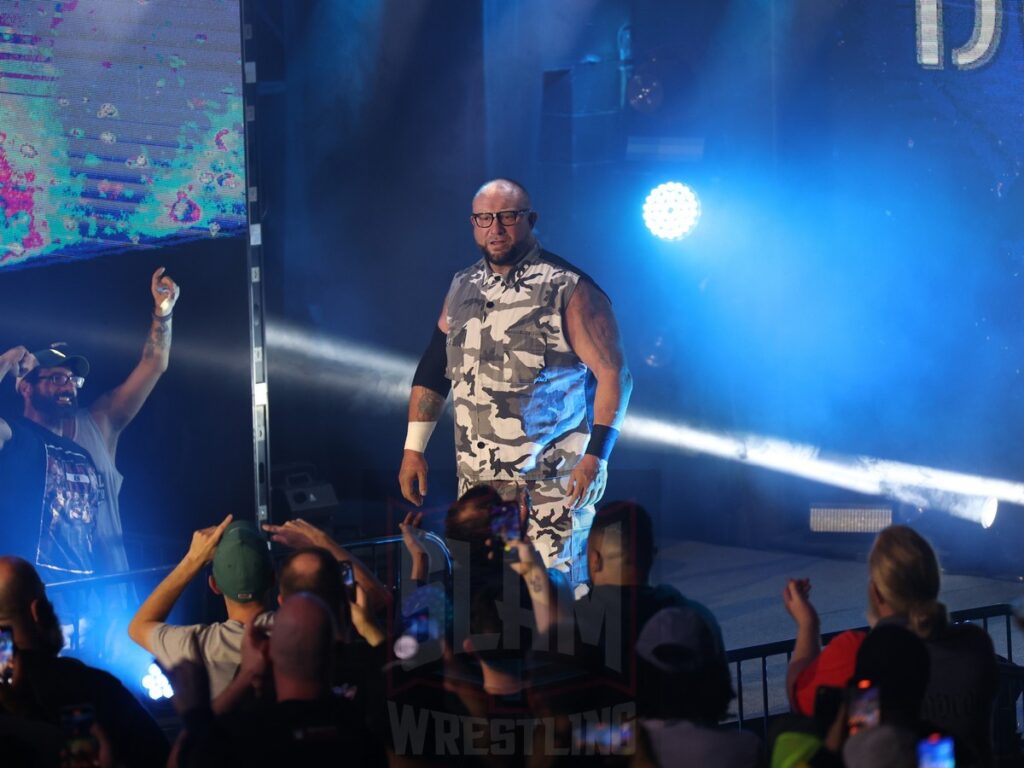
(156, 684)
(989, 511)
(671, 210)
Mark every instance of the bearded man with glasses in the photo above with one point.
(58, 479)
(530, 349)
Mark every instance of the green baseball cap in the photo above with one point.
(241, 564)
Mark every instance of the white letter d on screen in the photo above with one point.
(978, 51)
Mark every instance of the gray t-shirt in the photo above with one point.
(109, 533)
(220, 645)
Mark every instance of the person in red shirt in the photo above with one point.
(903, 589)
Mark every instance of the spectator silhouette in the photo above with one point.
(654, 647)
(306, 725)
(43, 682)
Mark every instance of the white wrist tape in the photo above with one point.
(418, 436)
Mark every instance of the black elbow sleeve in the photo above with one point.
(430, 373)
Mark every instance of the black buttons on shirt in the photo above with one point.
(480, 444)
(490, 305)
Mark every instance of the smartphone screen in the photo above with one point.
(347, 575)
(6, 654)
(505, 521)
(863, 707)
(419, 629)
(348, 578)
(936, 752)
(80, 746)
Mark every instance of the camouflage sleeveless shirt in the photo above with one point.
(519, 391)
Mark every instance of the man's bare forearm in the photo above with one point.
(114, 410)
(420, 567)
(157, 351)
(158, 606)
(374, 588)
(10, 361)
(17, 359)
(612, 397)
(366, 627)
(805, 650)
(425, 404)
(614, 382)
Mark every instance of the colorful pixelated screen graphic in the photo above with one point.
(121, 126)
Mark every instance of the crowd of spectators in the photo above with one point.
(497, 662)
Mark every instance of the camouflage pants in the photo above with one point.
(558, 533)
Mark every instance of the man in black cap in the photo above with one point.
(58, 480)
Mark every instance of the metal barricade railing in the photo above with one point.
(381, 557)
(774, 689)
(109, 578)
(378, 554)
(82, 586)
(374, 563)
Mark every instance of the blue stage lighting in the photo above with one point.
(384, 377)
(971, 497)
(989, 511)
(156, 684)
(671, 210)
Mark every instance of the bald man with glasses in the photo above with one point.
(529, 347)
(58, 479)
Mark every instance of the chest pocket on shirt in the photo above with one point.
(523, 357)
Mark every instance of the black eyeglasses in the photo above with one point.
(60, 379)
(507, 218)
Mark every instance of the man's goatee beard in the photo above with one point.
(515, 253)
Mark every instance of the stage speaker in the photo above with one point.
(583, 89)
(297, 492)
(581, 114)
(310, 498)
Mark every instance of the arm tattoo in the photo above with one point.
(599, 325)
(429, 406)
(159, 340)
(535, 582)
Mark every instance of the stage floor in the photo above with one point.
(743, 588)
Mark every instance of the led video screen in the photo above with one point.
(121, 126)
